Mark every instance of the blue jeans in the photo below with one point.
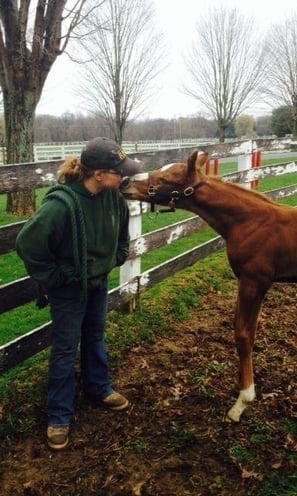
(76, 321)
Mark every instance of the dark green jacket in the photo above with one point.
(46, 241)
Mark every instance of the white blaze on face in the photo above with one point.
(140, 177)
(165, 167)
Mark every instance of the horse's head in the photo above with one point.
(168, 184)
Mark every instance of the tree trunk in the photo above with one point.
(27, 52)
(19, 110)
(21, 202)
(294, 117)
(222, 134)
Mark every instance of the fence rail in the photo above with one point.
(62, 150)
(19, 292)
(49, 151)
(59, 151)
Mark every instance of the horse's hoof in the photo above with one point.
(233, 415)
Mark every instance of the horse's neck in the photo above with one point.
(222, 205)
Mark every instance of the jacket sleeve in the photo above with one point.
(36, 244)
(124, 237)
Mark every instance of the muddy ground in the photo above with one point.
(174, 440)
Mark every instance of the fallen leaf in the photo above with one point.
(137, 488)
(246, 474)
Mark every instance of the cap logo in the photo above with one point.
(122, 154)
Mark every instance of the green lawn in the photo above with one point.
(23, 319)
(22, 389)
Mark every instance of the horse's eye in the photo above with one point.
(125, 182)
(164, 181)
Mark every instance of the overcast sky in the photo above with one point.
(177, 21)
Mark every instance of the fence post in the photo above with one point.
(256, 162)
(244, 162)
(245, 159)
(215, 166)
(132, 268)
(4, 155)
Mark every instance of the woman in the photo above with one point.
(79, 234)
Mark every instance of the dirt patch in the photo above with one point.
(174, 440)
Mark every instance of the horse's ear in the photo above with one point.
(196, 160)
(201, 160)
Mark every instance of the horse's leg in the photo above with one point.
(250, 297)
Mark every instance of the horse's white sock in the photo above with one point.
(245, 397)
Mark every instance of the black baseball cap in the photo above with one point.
(104, 153)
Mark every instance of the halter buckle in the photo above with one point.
(189, 191)
(175, 195)
(151, 190)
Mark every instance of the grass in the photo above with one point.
(22, 319)
(244, 449)
(148, 322)
(149, 319)
(165, 304)
(26, 317)
(181, 436)
(6, 218)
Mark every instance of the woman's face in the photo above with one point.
(109, 178)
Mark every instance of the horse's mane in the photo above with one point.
(240, 191)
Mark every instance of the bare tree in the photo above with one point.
(245, 126)
(124, 55)
(225, 65)
(33, 33)
(263, 125)
(281, 72)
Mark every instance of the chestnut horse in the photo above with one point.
(260, 235)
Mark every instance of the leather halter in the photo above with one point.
(175, 194)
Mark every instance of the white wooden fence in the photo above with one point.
(133, 280)
(55, 151)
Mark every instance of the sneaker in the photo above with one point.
(114, 401)
(57, 437)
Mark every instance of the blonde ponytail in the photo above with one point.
(73, 170)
